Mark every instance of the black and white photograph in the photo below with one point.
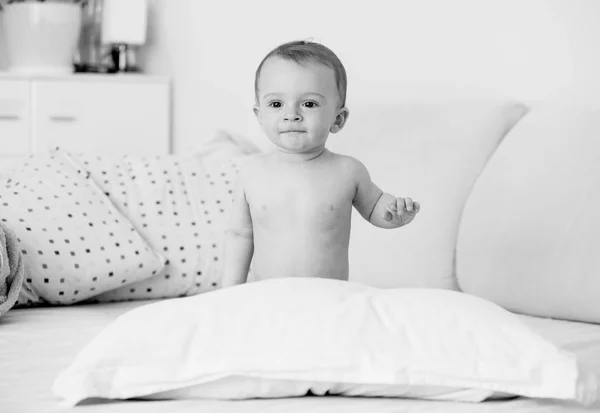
(327, 206)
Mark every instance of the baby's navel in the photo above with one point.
(331, 207)
(264, 207)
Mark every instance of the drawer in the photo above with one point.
(102, 117)
(14, 117)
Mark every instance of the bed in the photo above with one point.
(458, 226)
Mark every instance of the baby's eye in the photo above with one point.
(275, 104)
(311, 104)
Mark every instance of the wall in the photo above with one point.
(3, 61)
(525, 49)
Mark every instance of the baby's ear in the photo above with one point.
(340, 120)
(256, 110)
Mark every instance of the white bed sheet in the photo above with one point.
(35, 344)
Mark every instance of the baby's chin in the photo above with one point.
(293, 146)
(293, 139)
(299, 143)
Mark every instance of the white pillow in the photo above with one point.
(430, 149)
(286, 336)
(530, 233)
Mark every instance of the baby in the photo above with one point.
(292, 207)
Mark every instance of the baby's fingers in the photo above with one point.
(390, 212)
(404, 204)
(408, 205)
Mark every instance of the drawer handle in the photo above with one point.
(63, 118)
(9, 117)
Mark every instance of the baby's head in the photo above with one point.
(300, 90)
(304, 52)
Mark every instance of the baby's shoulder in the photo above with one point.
(251, 163)
(349, 164)
(251, 167)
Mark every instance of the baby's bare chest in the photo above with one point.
(301, 199)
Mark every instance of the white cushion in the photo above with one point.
(284, 337)
(530, 233)
(430, 146)
(75, 243)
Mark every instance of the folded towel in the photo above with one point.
(11, 269)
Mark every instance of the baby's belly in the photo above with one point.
(292, 255)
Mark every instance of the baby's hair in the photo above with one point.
(301, 51)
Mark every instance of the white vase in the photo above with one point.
(41, 38)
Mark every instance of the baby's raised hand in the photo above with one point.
(401, 211)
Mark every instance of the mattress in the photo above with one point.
(36, 343)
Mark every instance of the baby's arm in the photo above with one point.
(239, 240)
(379, 208)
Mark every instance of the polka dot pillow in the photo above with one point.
(76, 244)
(154, 193)
(180, 206)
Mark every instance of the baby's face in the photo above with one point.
(297, 104)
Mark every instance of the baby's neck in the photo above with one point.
(299, 157)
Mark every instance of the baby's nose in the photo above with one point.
(292, 116)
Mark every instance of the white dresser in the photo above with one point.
(103, 114)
